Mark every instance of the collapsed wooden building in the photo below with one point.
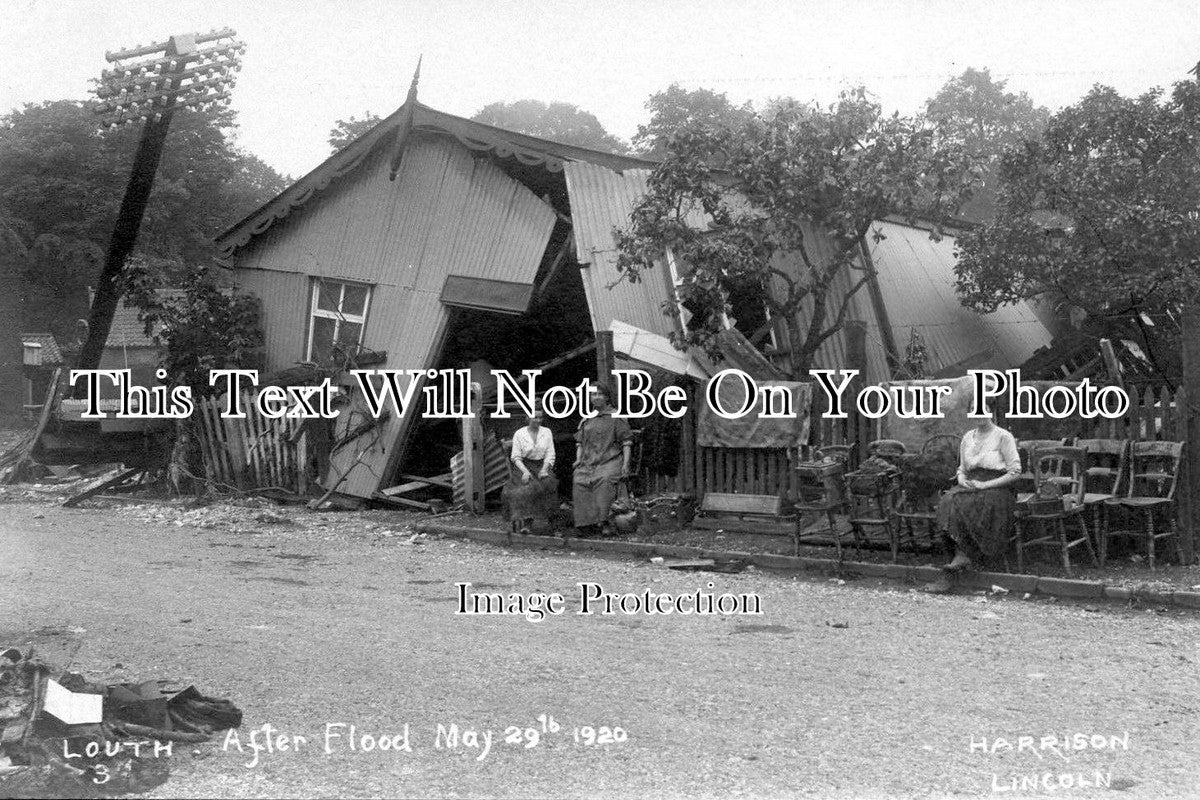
(433, 241)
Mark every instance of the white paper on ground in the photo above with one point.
(73, 708)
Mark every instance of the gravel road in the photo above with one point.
(834, 691)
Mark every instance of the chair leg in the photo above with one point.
(1060, 527)
(1101, 545)
(1150, 536)
(1020, 550)
(1087, 539)
(1174, 529)
(835, 533)
(893, 526)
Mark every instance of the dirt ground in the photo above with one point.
(308, 620)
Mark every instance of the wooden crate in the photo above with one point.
(746, 513)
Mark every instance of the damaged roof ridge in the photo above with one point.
(471, 134)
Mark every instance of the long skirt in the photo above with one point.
(594, 491)
(980, 521)
(533, 500)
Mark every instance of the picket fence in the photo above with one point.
(1159, 415)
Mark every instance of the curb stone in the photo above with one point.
(1187, 599)
(1015, 583)
(1065, 587)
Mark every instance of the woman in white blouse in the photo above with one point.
(977, 514)
(532, 490)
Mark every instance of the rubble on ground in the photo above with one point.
(64, 736)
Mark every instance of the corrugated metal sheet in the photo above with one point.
(446, 212)
(832, 354)
(283, 314)
(602, 200)
(916, 278)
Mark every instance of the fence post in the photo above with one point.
(856, 354)
(604, 357)
(474, 484)
(1189, 509)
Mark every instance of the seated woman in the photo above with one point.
(977, 514)
(532, 490)
(602, 454)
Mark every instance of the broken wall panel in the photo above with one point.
(447, 212)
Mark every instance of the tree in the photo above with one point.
(558, 122)
(769, 191)
(200, 326)
(1101, 213)
(62, 178)
(676, 108)
(975, 112)
(345, 131)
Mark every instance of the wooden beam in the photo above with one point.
(567, 246)
(856, 356)
(1189, 508)
(401, 501)
(604, 357)
(441, 481)
(1111, 362)
(567, 356)
(886, 334)
(474, 484)
(97, 488)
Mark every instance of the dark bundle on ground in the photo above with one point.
(127, 753)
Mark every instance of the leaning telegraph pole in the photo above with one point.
(150, 84)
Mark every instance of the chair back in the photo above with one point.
(1029, 480)
(1106, 464)
(840, 452)
(1064, 466)
(889, 450)
(1153, 467)
(942, 441)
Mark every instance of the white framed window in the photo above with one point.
(338, 316)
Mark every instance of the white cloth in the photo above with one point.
(541, 448)
(994, 449)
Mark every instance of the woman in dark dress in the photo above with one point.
(603, 449)
(977, 514)
(532, 490)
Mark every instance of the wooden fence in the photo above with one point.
(1152, 414)
(252, 452)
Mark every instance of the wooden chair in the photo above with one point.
(822, 492)
(888, 449)
(925, 513)
(1105, 470)
(1028, 481)
(873, 499)
(1153, 468)
(1065, 467)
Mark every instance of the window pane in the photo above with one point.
(349, 335)
(327, 295)
(322, 338)
(354, 301)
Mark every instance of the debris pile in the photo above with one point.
(63, 736)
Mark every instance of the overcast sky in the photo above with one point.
(311, 62)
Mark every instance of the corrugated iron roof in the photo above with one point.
(601, 201)
(916, 279)
(473, 135)
(833, 352)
